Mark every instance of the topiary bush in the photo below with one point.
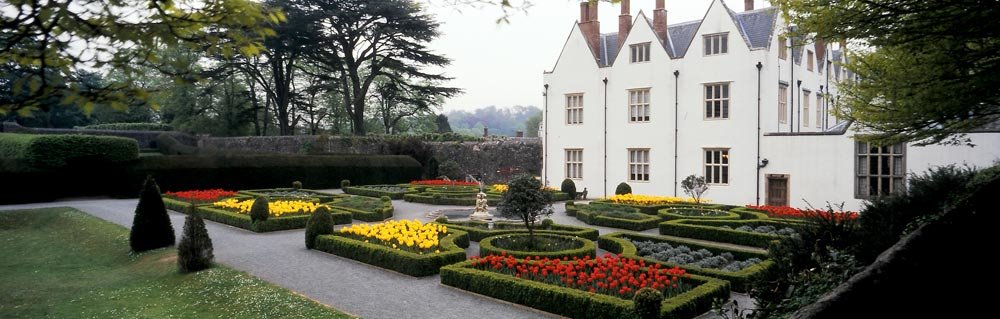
(385, 198)
(260, 210)
(195, 251)
(546, 223)
(296, 185)
(345, 183)
(320, 223)
(568, 187)
(623, 189)
(647, 303)
(151, 228)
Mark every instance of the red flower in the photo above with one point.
(441, 182)
(202, 195)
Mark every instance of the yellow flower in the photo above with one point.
(648, 200)
(276, 208)
(411, 235)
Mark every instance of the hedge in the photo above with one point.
(368, 216)
(746, 213)
(130, 127)
(413, 264)
(477, 230)
(621, 243)
(272, 224)
(486, 247)
(585, 214)
(319, 196)
(711, 230)
(428, 199)
(178, 205)
(369, 192)
(653, 209)
(59, 151)
(668, 214)
(575, 303)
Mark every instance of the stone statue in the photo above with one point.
(481, 211)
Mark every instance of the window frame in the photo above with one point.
(578, 164)
(643, 51)
(717, 48)
(811, 57)
(805, 108)
(862, 169)
(574, 109)
(647, 171)
(645, 105)
(783, 103)
(725, 102)
(782, 48)
(725, 174)
(820, 98)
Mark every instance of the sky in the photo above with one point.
(502, 64)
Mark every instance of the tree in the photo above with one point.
(54, 39)
(260, 210)
(151, 228)
(694, 186)
(194, 252)
(525, 199)
(926, 70)
(442, 124)
(531, 125)
(397, 101)
(320, 223)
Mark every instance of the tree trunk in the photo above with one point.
(358, 118)
(528, 223)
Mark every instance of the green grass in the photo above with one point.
(63, 263)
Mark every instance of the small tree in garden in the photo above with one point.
(623, 189)
(151, 228)
(260, 210)
(320, 223)
(297, 185)
(568, 187)
(647, 302)
(450, 169)
(525, 199)
(694, 186)
(195, 251)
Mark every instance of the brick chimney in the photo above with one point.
(624, 23)
(748, 5)
(590, 26)
(660, 20)
(821, 51)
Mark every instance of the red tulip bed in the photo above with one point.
(441, 182)
(201, 196)
(795, 213)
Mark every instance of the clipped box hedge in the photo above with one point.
(178, 205)
(130, 127)
(319, 196)
(586, 214)
(425, 198)
(368, 216)
(653, 209)
(712, 230)
(478, 230)
(670, 214)
(371, 192)
(409, 263)
(271, 224)
(621, 243)
(575, 303)
(59, 151)
(587, 247)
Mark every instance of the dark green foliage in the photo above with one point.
(525, 200)
(130, 127)
(260, 211)
(712, 230)
(547, 223)
(623, 188)
(345, 183)
(272, 224)
(151, 228)
(612, 216)
(296, 185)
(364, 208)
(385, 198)
(380, 191)
(442, 124)
(320, 223)
(60, 151)
(568, 187)
(647, 302)
(520, 246)
(433, 168)
(194, 252)
(450, 169)
(168, 145)
(411, 146)
(478, 230)
(413, 264)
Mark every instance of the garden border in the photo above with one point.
(271, 224)
(368, 192)
(589, 248)
(648, 222)
(413, 264)
(703, 229)
(476, 234)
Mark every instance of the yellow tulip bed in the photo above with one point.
(499, 188)
(277, 208)
(408, 235)
(648, 200)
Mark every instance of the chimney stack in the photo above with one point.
(660, 20)
(821, 51)
(624, 23)
(748, 5)
(590, 26)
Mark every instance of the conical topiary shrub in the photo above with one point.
(647, 302)
(320, 223)
(623, 189)
(260, 210)
(151, 228)
(195, 251)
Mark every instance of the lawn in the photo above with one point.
(63, 263)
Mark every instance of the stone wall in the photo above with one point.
(495, 160)
(146, 139)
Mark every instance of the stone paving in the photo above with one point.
(353, 287)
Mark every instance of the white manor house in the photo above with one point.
(725, 97)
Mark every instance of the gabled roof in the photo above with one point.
(757, 26)
(681, 35)
(609, 48)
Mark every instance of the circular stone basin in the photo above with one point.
(546, 245)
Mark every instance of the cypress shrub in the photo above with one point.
(297, 185)
(647, 303)
(345, 183)
(260, 210)
(320, 223)
(569, 187)
(151, 228)
(195, 251)
(623, 189)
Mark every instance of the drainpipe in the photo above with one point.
(799, 91)
(677, 74)
(826, 98)
(791, 79)
(545, 142)
(759, 67)
(605, 136)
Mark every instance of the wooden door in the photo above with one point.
(777, 190)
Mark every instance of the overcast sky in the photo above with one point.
(502, 64)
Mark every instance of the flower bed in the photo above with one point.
(724, 231)
(391, 191)
(585, 288)
(795, 213)
(478, 230)
(614, 216)
(291, 193)
(650, 206)
(499, 188)
(200, 196)
(408, 247)
(364, 208)
(626, 245)
(441, 182)
(546, 245)
(695, 213)
(276, 208)
(241, 220)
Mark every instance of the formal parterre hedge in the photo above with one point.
(595, 215)
(575, 303)
(238, 220)
(179, 205)
(478, 230)
(391, 191)
(373, 209)
(452, 249)
(621, 243)
(130, 127)
(713, 230)
(274, 193)
(582, 247)
(438, 199)
(60, 151)
(675, 213)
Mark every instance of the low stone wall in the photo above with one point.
(146, 139)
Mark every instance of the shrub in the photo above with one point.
(168, 145)
(450, 169)
(546, 223)
(272, 224)
(296, 185)
(623, 188)
(525, 200)
(320, 223)
(130, 127)
(409, 263)
(433, 167)
(260, 211)
(151, 228)
(694, 186)
(60, 151)
(520, 246)
(568, 187)
(478, 230)
(194, 252)
(647, 303)
(345, 183)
